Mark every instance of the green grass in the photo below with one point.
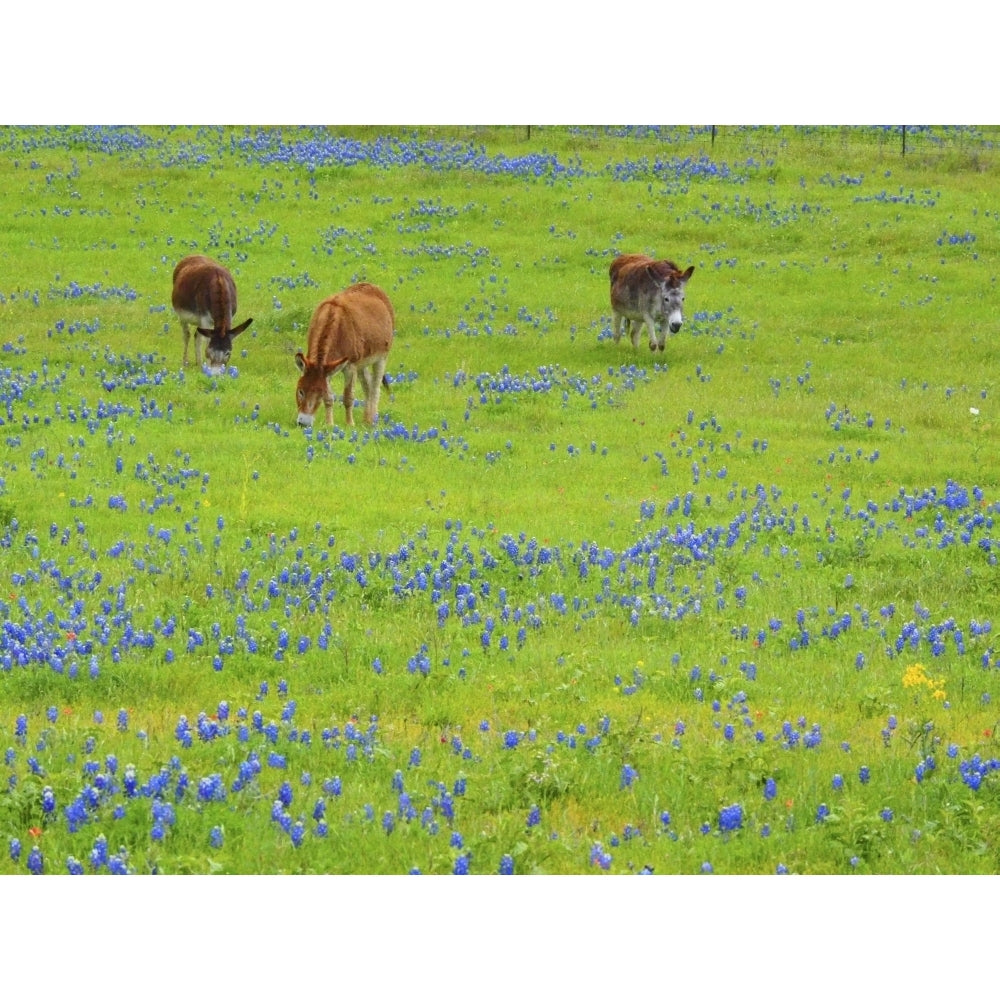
(736, 532)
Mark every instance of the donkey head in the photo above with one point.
(220, 346)
(672, 293)
(313, 387)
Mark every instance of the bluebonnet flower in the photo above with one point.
(99, 852)
(36, 863)
(332, 786)
(886, 814)
(122, 721)
(506, 865)
(629, 774)
(48, 800)
(388, 821)
(462, 864)
(14, 849)
(822, 811)
(297, 833)
(706, 868)
(781, 870)
(838, 782)
(73, 866)
(183, 732)
(770, 789)
(600, 857)
(511, 739)
(864, 775)
(534, 817)
(731, 818)
(216, 837)
(415, 757)
(212, 789)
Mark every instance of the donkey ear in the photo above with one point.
(332, 367)
(236, 330)
(300, 361)
(687, 274)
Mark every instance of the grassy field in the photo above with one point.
(567, 607)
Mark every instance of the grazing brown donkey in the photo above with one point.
(644, 290)
(351, 332)
(205, 296)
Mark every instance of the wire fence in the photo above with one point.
(922, 143)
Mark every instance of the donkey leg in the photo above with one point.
(349, 377)
(373, 389)
(618, 327)
(651, 324)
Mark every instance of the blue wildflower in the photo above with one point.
(600, 857)
(731, 818)
(36, 863)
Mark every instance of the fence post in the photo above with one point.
(904, 140)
